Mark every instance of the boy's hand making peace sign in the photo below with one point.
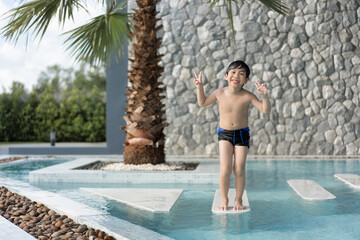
(261, 88)
(197, 80)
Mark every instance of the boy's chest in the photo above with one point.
(233, 103)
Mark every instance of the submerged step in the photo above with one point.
(351, 179)
(154, 200)
(310, 190)
(231, 195)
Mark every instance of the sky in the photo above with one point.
(25, 63)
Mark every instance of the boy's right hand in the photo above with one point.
(197, 79)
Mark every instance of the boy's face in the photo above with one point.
(236, 77)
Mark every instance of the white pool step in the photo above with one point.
(351, 179)
(154, 200)
(231, 195)
(310, 190)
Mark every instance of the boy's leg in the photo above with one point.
(240, 153)
(226, 150)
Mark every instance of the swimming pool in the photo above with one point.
(277, 212)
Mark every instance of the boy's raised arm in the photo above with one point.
(202, 99)
(265, 105)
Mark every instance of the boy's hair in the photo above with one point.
(239, 65)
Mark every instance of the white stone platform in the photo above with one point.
(231, 195)
(310, 190)
(351, 179)
(154, 200)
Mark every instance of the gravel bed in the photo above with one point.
(42, 222)
(120, 166)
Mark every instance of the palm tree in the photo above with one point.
(145, 139)
(95, 41)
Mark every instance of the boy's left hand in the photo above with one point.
(261, 88)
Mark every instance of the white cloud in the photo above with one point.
(24, 64)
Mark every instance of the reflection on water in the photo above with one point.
(228, 224)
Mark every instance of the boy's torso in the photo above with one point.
(233, 109)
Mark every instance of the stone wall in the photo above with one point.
(310, 61)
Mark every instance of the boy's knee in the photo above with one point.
(239, 171)
(226, 172)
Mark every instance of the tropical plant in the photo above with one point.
(145, 139)
(10, 117)
(276, 5)
(47, 112)
(95, 41)
(28, 123)
(70, 102)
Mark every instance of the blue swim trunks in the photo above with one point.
(239, 137)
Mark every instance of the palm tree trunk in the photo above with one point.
(145, 112)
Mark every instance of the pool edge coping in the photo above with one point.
(207, 171)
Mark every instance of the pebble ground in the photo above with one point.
(42, 222)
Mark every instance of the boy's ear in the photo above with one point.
(246, 80)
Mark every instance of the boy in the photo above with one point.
(233, 134)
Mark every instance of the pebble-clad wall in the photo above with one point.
(310, 61)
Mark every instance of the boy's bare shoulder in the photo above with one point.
(219, 91)
(247, 93)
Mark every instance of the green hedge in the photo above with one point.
(70, 102)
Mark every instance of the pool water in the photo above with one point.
(20, 169)
(277, 212)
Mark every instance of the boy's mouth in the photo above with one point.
(235, 81)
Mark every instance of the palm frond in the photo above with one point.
(276, 5)
(95, 41)
(37, 14)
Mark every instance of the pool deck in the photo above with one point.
(206, 173)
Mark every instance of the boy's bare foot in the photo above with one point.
(238, 206)
(223, 206)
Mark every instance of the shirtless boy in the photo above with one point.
(233, 134)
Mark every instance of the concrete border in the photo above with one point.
(9, 230)
(207, 172)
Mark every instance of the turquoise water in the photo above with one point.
(20, 169)
(277, 212)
